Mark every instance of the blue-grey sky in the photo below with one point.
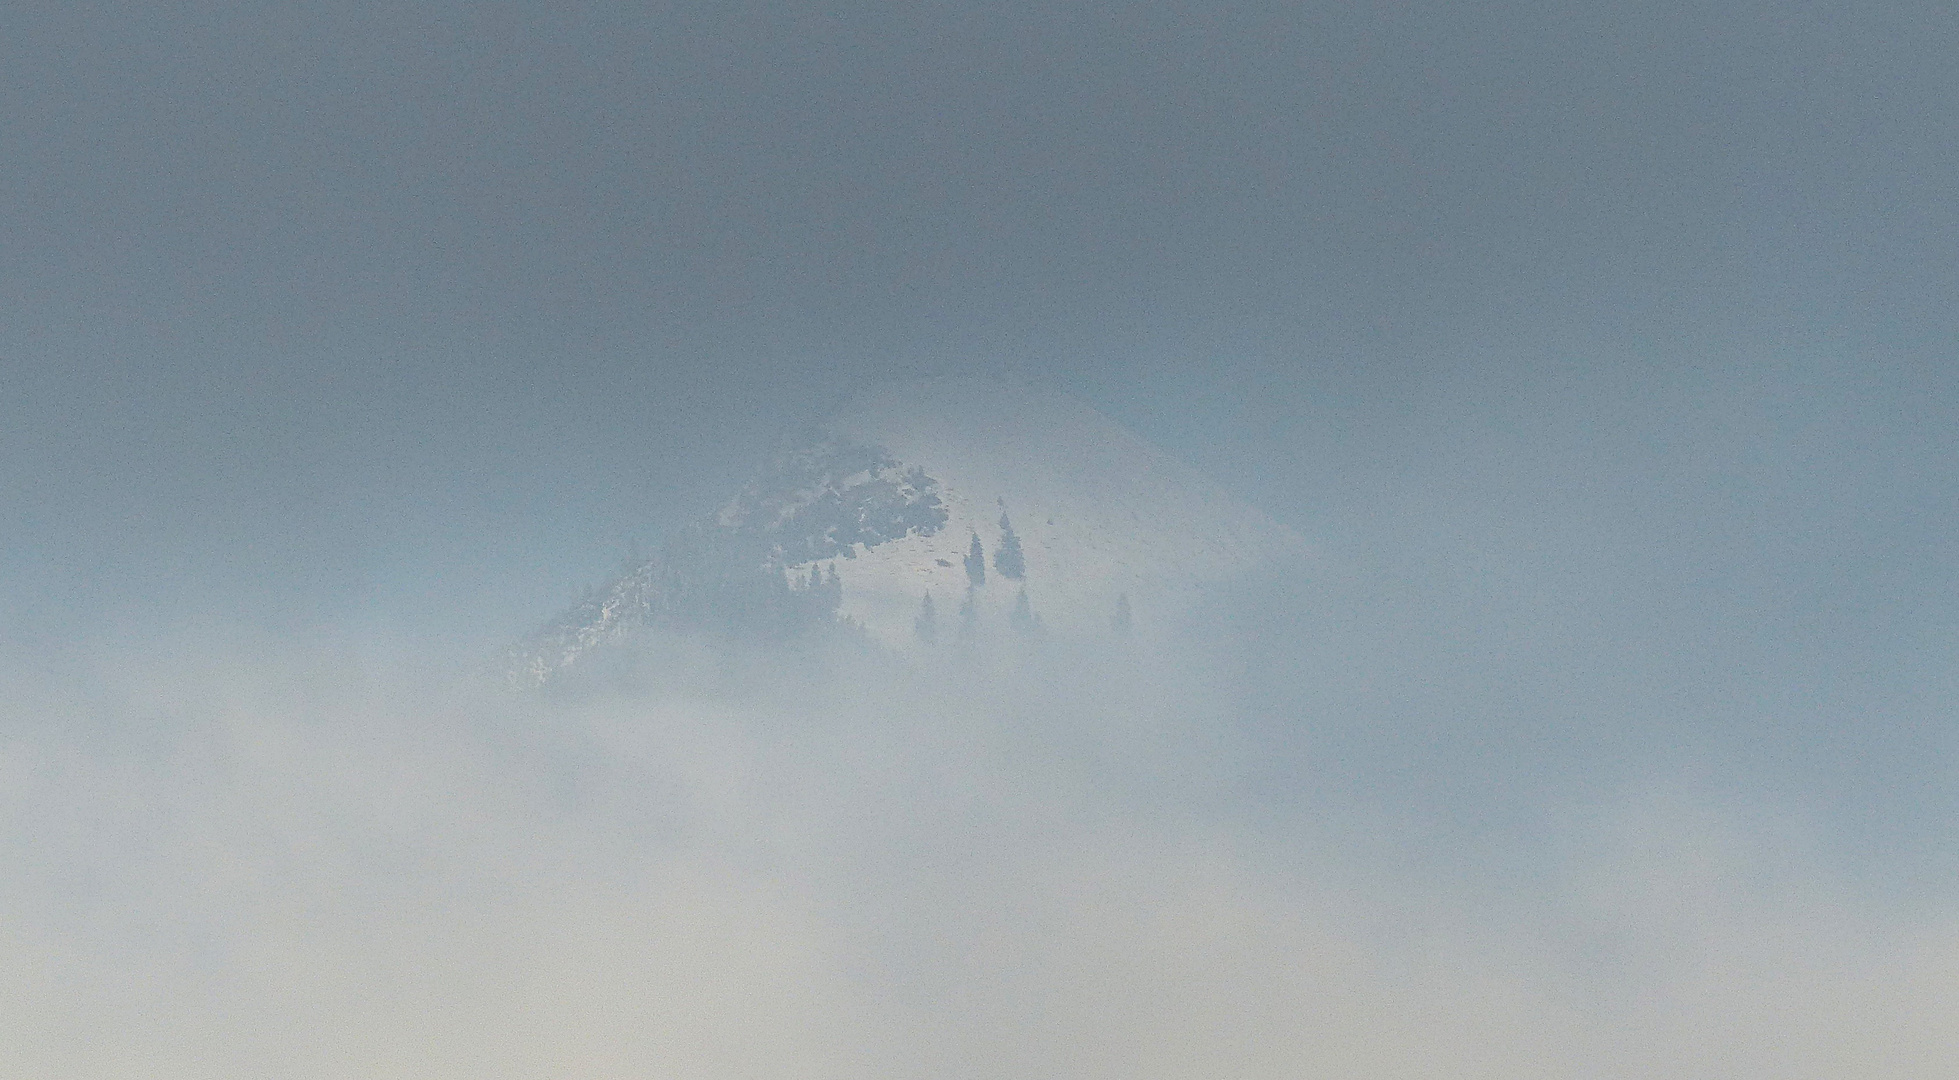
(1605, 352)
(375, 288)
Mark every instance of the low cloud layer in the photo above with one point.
(283, 858)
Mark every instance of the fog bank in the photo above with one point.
(818, 860)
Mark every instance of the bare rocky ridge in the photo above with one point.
(1015, 511)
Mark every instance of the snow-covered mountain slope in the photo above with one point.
(1013, 511)
(1100, 514)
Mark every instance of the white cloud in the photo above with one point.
(287, 862)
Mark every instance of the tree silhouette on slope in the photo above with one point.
(976, 563)
(1008, 559)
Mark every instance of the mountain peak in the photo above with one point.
(1017, 510)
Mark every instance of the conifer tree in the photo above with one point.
(969, 616)
(1007, 559)
(926, 625)
(976, 563)
(1022, 617)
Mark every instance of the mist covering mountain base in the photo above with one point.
(719, 856)
(911, 493)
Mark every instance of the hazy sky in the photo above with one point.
(360, 291)
(1606, 351)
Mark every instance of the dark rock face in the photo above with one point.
(823, 501)
(729, 572)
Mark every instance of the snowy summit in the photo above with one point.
(939, 510)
